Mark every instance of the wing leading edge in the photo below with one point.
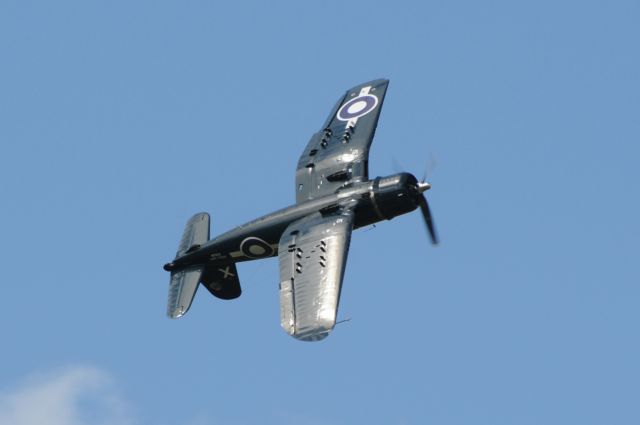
(313, 253)
(339, 152)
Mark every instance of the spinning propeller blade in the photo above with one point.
(426, 213)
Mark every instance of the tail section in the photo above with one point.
(184, 282)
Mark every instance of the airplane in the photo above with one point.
(334, 196)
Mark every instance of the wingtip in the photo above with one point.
(175, 313)
(374, 83)
(311, 337)
(311, 334)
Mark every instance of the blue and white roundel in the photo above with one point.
(253, 247)
(357, 107)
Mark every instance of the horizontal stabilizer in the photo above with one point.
(184, 282)
(196, 233)
(182, 289)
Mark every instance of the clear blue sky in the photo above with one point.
(118, 120)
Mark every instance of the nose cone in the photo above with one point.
(423, 186)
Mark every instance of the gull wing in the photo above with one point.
(313, 254)
(339, 152)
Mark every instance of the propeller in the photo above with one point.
(422, 186)
(426, 212)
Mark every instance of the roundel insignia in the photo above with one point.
(254, 247)
(357, 107)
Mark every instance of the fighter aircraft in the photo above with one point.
(334, 195)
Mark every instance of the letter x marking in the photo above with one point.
(226, 272)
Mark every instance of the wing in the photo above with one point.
(313, 253)
(339, 152)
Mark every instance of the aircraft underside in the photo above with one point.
(311, 238)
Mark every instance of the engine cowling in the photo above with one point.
(395, 195)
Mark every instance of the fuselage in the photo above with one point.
(372, 201)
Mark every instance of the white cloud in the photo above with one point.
(73, 396)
